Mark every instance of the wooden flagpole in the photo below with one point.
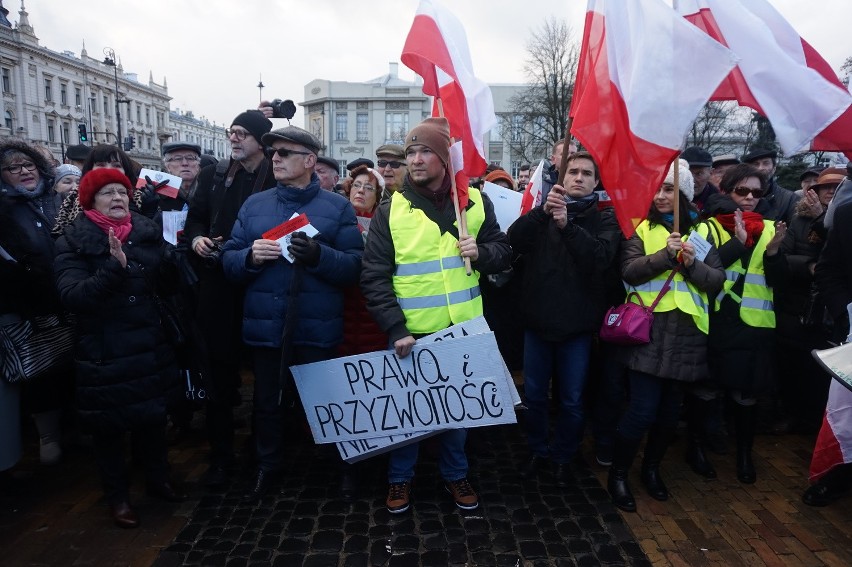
(461, 215)
(563, 164)
(676, 210)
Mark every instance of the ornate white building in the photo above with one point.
(185, 127)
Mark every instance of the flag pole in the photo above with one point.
(563, 163)
(676, 209)
(460, 214)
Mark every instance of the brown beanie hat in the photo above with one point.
(434, 133)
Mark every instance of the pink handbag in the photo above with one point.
(630, 323)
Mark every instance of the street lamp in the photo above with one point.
(109, 60)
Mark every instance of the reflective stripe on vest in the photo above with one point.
(429, 278)
(756, 303)
(683, 294)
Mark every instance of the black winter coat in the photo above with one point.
(563, 286)
(126, 370)
(833, 272)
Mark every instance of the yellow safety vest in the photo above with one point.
(683, 294)
(429, 280)
(756, 304)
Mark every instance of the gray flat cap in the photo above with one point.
(175, 146)
(330, 162)
(294, 135)
(394, 150)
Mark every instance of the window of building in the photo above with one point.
(106, 105)
(51, 131)
(497, 130)
(396, 127)
(516, 167)
(66, 133)
(78, 96)
(340, 122)
(7, 80)
(362, 127)
(517, 128)
(48, 89)
(160, 119)
(7, 120)
(138, 113)
(63, 94)
(147, 116)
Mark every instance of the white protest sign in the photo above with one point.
(837, 361)
(448, 384)
(173, 223)
(702, 245)
(507, 204)
(354, 451)
(283, 233)
(173, 182)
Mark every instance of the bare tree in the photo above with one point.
(846, 71)
(538, 113)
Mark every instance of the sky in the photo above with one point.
(213, 52)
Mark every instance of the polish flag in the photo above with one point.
(643, 76)
(533, 191)
(436, 49)
(834, 442)
(779, 74)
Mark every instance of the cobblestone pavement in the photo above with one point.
(304, 521)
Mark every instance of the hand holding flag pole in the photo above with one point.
(461, 214)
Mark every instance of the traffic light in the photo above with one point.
(81, 129)
(129, 143)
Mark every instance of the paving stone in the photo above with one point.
(434, 558)
(268, 542)
(327, 540)
(458, 553)
(357, 560)
(320, 560)
(293, 545)
(289, 560)
(532, 549)
(237, 562)
(300, 526)
(405, 543)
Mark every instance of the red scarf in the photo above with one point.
(122, 227)
(753, 225)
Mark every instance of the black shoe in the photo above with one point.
(820, 495)
(535, 465)
(562, 473)
(217, 478)
(165, 491)
(696, 458)
(654, 482)
(619, 490)
(263, 480)
(745, 467)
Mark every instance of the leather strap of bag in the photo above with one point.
(666, 287)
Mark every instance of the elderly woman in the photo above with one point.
(742, 324)
(26, 181)
(67, 179)
(677, 353)
(109, 263)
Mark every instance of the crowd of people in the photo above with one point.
(729, 260)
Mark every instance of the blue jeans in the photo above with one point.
(653, 400)
(452, 463)
(611, 396)
(568, 362)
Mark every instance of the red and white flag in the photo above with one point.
(436, 49)
(779, 74)
(533, 190)
(834, 442)
(644, 74)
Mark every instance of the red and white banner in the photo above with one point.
(436, 49)
(643, 76)
(533, 191)
(834, 442)
(779, 74)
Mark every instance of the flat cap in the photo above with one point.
(759, 153)
(697, 157)
(295, 135)
(725, 159)
(360, 161)
(812, 172)
(394, 150)
(175, 146)
(330, 162)
(78, 152)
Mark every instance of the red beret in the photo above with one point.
(94, 180)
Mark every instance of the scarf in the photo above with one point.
(44, 200)
(122, 226)
(439, 197)
(753, 225)
(577, 206)
(669, 217)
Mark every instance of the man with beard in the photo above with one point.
(222, 190)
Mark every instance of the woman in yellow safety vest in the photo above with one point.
(742, 324)
(677, 352)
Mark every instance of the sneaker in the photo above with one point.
(399, 497)
(463, 494)
(603, 455)
(50, 452)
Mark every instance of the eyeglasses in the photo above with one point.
(744, 191)
(112, 193)
(284, 152)
(366, 188)
(16, 168)
(239, 134)
(187, 158)
(393, 164)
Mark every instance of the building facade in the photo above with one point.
(185, 127)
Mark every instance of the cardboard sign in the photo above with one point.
(354, 451)
(283, 233)
(702, 245)
(507, 204)
(173, 223)
(837, 361)
(172, 182)
(443, 385)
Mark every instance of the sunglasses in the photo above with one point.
(393, 164)
(284, 152)
(744, 191)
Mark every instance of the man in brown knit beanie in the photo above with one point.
(414, 280)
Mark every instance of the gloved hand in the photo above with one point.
(150, 204)
(305, 249)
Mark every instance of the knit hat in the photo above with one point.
(697, 157)
(725, 159)
(95, 180)
(65, 170)
(255, 122)
(500, 174)
(687, 184)
(434, 133)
